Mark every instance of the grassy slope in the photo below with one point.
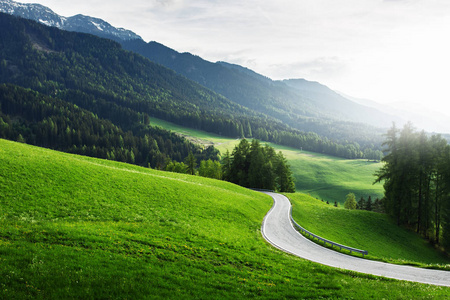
(325, 177)
(76, 227)
(364, 230)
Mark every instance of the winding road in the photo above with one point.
(278, 230)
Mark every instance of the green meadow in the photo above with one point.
(366, 230)
(322, 176)
(73, 227)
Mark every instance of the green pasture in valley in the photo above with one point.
(73, 227)
(322, 176)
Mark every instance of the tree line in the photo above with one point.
(363, 204)
(416, 180)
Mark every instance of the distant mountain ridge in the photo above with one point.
(327, 114)
(78, 23)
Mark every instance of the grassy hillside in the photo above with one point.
(322, 176)
(370, 231)
(77, 227)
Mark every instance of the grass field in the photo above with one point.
(322, 176)
(73, 227)
(365, 230)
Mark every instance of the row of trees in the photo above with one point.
(376, 206)
(362, 204)
(416, 177)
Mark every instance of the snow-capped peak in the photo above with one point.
(79, 23)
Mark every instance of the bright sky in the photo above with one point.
(384, 50)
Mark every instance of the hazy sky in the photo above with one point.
(384, 50)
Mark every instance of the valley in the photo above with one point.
(325, 177)
(96, 228)
(90, 117)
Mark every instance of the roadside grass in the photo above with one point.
(322, 176)
(73, 227)
(366, 230)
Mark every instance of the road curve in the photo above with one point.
(278, 230)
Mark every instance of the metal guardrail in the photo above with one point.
(325, 241)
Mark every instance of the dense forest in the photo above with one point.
(27, 116)
(127, 89)
(416, 178)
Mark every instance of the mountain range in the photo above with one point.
(126, 89)
(308, 108)
(300, 104)
(306, 105)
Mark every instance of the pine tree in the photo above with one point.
(257, 162)
(191, 163)
(241, 163)
(378, 206)
(361, 203)
(248, 130)
(389, 173)
(369, 204)
(241, 131)
(284, 175)
(226, 166)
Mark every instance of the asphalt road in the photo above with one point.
(278, 230)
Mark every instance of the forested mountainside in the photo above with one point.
(125, 88)
(28, 116)
(96, 74)
(326, 113)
